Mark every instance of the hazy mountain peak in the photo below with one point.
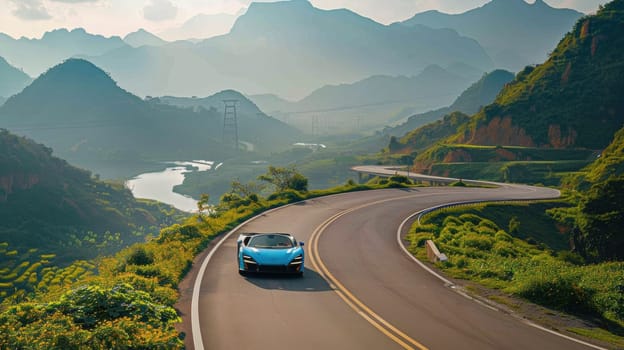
(515, 33)
(142, 37)
(12, 80)
(74, 79)
(64, 32)
(78, 69)
(286, 15)
(435, 72)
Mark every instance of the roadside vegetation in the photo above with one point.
(126, 301)
(567, 255)
(522, 250)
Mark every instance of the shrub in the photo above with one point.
(289, 195)
(504, 249)
(140, 256)
(402, 179)
(477, 241)
(503, 236)
(90, 305)
(472, 218)
(451, 220)
(558, 290)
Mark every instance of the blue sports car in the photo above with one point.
(270, 252)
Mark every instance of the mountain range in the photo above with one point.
(35, 56)
(271, 42)
(268, 47)
(79, 111)
(479, 94)
(513, 32)
(274, 44)
(201, 27)
(373, 102)
(12, 80)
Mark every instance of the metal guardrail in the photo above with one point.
(469, 203)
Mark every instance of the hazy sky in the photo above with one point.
(31, 18)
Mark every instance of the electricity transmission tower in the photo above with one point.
(230, 124)
(315, 125)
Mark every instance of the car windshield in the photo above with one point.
(271, 242)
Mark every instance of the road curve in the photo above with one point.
(360, 291)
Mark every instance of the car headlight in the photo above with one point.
(297, 260)
(248, 259)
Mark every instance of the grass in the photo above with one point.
(520, 250)
(532, 172)
(600, 334)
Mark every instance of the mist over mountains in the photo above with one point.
(479, 94)
(79, 111)
(373, 102)
(143, 38)
(288, 48)
(513, 32)
(12, 80)
(35, 56)
(291, 49)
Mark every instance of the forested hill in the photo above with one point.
(600, 219)
(47, 204)
(572, 101)
(569, 101)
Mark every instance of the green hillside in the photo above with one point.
(570, 100)
(568, 103)
(601, 193)
(427, 135)
(47, 204)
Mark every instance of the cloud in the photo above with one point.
(30, 10)
(160, 10)
(74, 1)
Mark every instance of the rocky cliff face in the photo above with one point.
(499, 131)
(16, 182)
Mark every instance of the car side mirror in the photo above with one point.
(301, 244)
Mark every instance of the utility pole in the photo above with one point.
(230, 124)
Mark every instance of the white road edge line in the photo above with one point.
(198, 342)
(451, 284)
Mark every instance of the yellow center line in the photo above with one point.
(351, 300)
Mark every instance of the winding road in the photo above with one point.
(360, 289)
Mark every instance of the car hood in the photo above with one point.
(273, 256)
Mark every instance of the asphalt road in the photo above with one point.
(360, 290)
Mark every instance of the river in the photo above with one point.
(159, 185)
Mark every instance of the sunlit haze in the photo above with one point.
(173, 19)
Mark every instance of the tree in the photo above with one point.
(203, 205)
(246, 190)
(285, 179)
(600, 221)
